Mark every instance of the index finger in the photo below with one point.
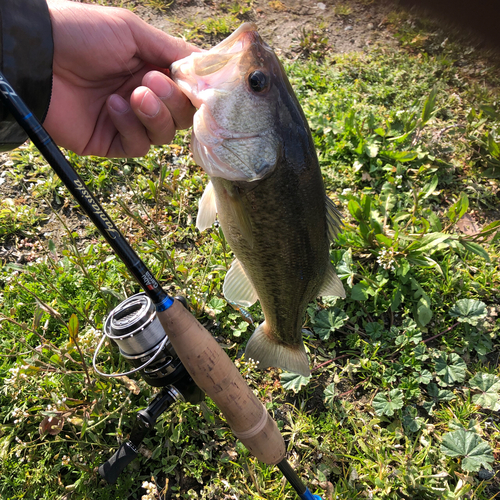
(173, 98)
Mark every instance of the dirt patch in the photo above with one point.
(347, 26)
(350, 26)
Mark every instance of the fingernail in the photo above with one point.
(161, 86)
(119, 104)
(150, 105)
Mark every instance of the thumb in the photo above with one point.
(154, 46)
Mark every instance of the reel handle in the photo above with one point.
(214, 372)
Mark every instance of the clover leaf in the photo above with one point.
(293, 381)
(411, 421)
(469, 311)
(327, 321)
(450, 369)
(423, 377)
(489, 385)
(437, 395)
(329, 395)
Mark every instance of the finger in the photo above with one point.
(131, 139)
(173, 98)
(153, 115)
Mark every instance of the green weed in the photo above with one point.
(405, 388)
(313, 45)
(160, 5)
(342, 9)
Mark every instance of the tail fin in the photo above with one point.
(263, 348)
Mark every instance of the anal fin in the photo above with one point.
(237, 287)
(332, 286)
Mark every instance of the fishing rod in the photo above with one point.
(176, 351)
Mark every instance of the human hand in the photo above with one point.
(110, 96)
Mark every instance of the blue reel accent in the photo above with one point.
(307, 495)
(164, 304)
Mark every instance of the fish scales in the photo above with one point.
(293, 249)
(252, 138)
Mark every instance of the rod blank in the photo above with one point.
(83, 196)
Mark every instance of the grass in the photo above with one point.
(212, 30)
(405, 388)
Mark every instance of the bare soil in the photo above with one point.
(353, 25)
(349, 25)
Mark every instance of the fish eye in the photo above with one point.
(258, 81)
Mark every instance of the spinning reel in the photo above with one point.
(135, 328)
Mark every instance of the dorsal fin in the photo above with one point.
(207, 208)
(331, 285)
(237, 288)
(333, 219)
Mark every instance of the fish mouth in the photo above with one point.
(247, 31)
(207, 65)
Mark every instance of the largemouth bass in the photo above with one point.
(251, 137)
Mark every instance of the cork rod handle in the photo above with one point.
(215, 373)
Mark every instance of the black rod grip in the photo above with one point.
(111, 469)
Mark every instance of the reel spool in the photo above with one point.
(134, 327)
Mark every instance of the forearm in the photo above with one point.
(26, 52)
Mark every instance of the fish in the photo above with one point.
(252, 138)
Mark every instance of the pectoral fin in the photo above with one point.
(237, 287)
(207, 209)
(332, 285)
(333, 219)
